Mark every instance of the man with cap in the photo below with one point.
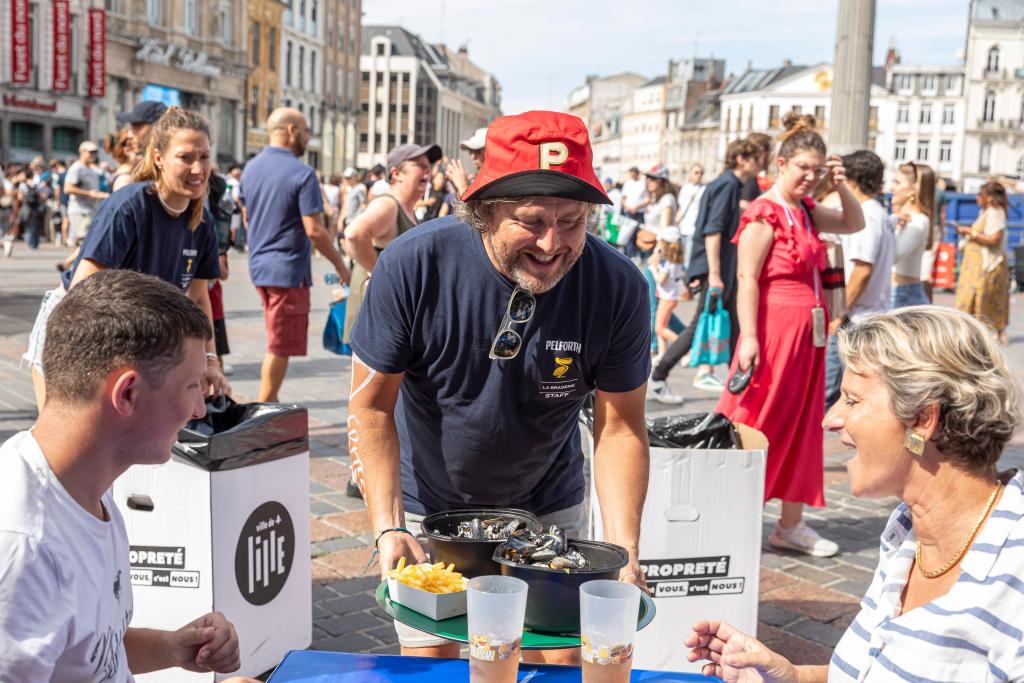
(82, 185)
(387, 216)
(283, 210)
(480, 337)
(355, 198)
(139, 120)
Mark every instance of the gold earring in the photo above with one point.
(914, 441)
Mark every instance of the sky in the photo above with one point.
(539, 50)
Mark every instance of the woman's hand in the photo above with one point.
(214, 381)
(455, 172)
(749, 353)
(964, 230)
(836, 171)
(736, 657)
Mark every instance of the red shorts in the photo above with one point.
(286, 314)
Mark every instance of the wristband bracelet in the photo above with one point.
(376, 543)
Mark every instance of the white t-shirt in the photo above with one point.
(672, 288)
(654, 216)
(332, 193)
(875, 244)
(689, 204)
(65, 585)
(380, 187)
(83, 177)
(911, 241)
(633, 192)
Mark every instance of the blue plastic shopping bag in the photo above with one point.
(334, 330)
(711, 339)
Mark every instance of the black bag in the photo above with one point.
(234, 435)
(697, 430)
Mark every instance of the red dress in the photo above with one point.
(786, 396)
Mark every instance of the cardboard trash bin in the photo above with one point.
(224, 525)
(700, 543)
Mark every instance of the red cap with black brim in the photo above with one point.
(541, 154)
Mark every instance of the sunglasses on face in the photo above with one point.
(818, 171)
(508, 342)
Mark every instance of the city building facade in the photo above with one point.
(263, 90)
(44, 107)
(993, 143)
(599, 102)
(412, 91)
(342, 43)
(643, 124)
(182, 52)
(302, 68)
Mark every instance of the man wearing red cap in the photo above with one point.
(480, 337)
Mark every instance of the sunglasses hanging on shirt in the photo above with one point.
(508, 342)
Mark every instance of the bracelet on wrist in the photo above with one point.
(210, 356)
(376, 543)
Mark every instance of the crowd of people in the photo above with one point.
(476, 338)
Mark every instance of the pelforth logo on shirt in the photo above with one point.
(264, 553)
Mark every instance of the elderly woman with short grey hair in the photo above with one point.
(928, 404)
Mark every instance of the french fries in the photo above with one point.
(432, 578)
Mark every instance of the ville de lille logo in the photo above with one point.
(264, 554)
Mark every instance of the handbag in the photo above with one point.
(711, 338)
(646, 240)
(334, 330)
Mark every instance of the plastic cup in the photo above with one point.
(496, 609)
(608, 616)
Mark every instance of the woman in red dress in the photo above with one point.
(783, 325)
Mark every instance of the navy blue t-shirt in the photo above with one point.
(475, 431)
(719, 213)
(277, 190)
(132, 231)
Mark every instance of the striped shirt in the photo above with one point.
(973, 633)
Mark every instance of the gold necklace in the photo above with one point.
(963, 549)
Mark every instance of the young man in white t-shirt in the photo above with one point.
(868, 256)
(123, 361)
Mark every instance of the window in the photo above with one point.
(926, 114)
(155, 11)
(301, 23)
(819, 115)
(255, 43)
(287, 17)
(254, 106)
(873, 118)
(302, 67)
(952, 84)
(900, 152)
(985, 156)
(314, 82)
(66, 139)
(26, 135)
(922, 151)
(773, 116)
(288, 62)
(313, 6)
(992, 62)
(797, 109)
(113, 6)
(191, 20)
(945, 150)
(903, 113)
(928, 83)
(750, 118)
(380, 48)
(270, 101)
(904, 83)
(225, 22)
(312, 120)
(272, 48)
(989, 113)
(948, 114)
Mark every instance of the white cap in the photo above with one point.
(349, 172)
(669, 234)
(476, 142)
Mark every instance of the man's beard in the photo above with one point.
(508, 263)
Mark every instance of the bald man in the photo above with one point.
(283, 209)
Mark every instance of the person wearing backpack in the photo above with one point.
(32, 195)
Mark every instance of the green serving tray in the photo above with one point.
(456, 629)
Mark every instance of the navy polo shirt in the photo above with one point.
(719, 213)
(278, 190)
(474, 431)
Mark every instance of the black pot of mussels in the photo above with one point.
(467, 538)
(555, 567)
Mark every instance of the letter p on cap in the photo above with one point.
(553, 154)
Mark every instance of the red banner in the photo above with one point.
(61, 45)
(20, 42)
(97, 53)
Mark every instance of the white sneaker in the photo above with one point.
(708, 382)
(662, 394)
(8, 248)
(803, 539)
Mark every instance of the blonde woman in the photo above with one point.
(913, 205)
(158, 226)
(928, 404)
(983, 289)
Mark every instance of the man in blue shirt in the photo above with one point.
(480, 337)
(712, 264)
(283, 209)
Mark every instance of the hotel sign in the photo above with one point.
(182, 58)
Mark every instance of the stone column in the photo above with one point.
(851, 85)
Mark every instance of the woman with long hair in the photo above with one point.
(158, 225)
(121, 148)
(983, 288)
(783, 324)
(913, 208)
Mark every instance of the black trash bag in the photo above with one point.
(697, 430)
(234, 435)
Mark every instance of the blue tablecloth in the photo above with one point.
(307, 666)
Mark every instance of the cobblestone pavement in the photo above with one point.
(806, 603)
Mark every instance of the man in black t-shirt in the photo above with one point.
(480, 337)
